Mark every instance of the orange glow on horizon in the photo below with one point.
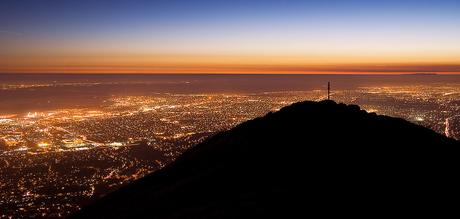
(209, 71)
(209, 64)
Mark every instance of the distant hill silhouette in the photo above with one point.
(308, 159)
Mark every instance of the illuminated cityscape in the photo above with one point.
(54, 162)
(95, 94)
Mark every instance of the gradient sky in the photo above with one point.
(251, 36)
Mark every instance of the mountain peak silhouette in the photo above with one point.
(307, 159)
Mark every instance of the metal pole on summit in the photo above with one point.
(328, 90)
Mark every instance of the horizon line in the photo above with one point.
(235, 73)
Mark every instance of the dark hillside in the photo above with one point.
(308, 158)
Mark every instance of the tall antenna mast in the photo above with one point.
(328, 90)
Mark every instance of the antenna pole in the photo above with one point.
(328, 90)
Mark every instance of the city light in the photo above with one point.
(83, 153)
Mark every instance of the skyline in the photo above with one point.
(229, 37)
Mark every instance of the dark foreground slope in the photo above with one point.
(306, 159)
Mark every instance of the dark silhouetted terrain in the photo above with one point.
(310, 158)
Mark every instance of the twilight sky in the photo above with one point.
(232, 36)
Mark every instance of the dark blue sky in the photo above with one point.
(57, 15)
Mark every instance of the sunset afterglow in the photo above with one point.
(230, 36)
